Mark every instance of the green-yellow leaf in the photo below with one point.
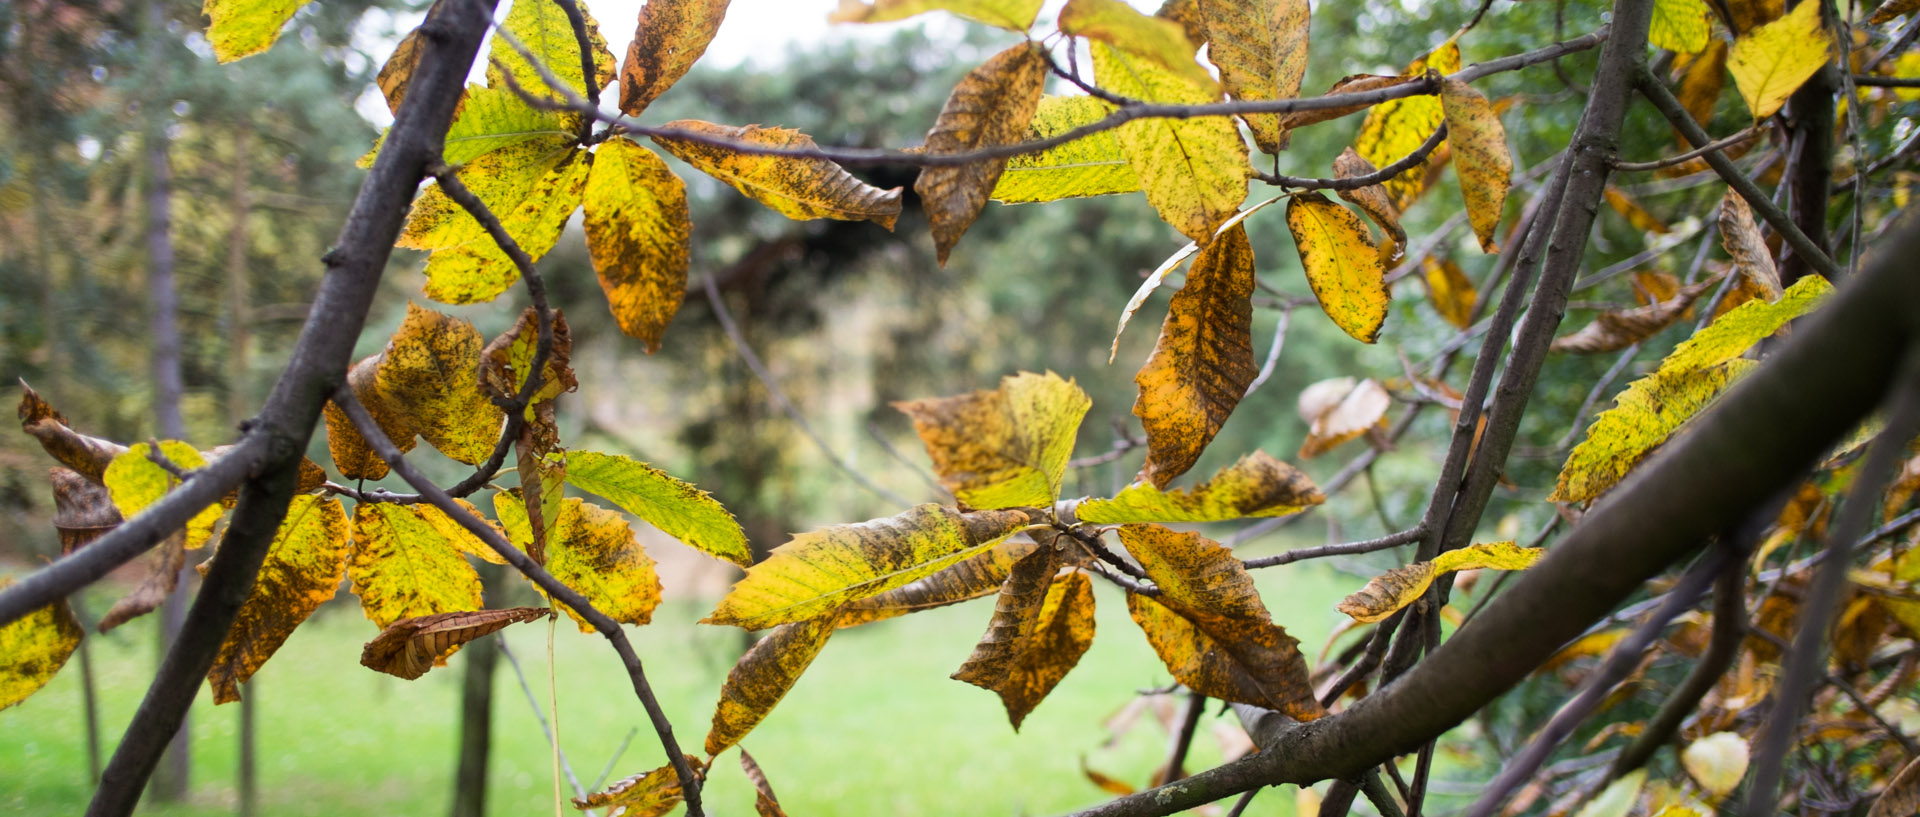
(1013, 15)
(1642, 417)
(429, 374)
(762, 677)
(1006, 448)
(798, 188)
(668, 39)
(491, 119)
(1257, 485)
(990, 107)
(1772, 61)
(33, 648)
(1203, 362)
(970, 579)
(1386, 593)
(1680, 26)
(639, 237)
(135, 482)
(818, 572)
(1342, 264)
(677, 508)
(533, 209)
(1041, 626)
(1480, 157)
(649, 794)
(404, 566)
(594, 551)
(242, 28)
(303, 569)
(544, 31)
(1261, 48)
(1617, 799)
(1089, 166)
(1396, 127)
(1163, 43)
(1194, 171)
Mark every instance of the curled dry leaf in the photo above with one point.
(1194, 171)
(1261, 49)
(1092, 165)
(1339, 410)
(82, 511)
(163, 574)
(648, 794)
(1397, 127)
(409, 647)
(800, 189)
(1480, 156)
(639, 236)
(1743, 241)
(304, 566)
(1006, 448)
(1209, 626)
(508, 359)
(1257, 485)
(86, 455)
(1887, 12)
(763, 676)
(1013, 15)
(1617, 329)
(1342, 264)
(1450, 290)
(404, 565)
(1773, 60)
(541, 465)
(764, 803)
(1163, 43)
(34, 647)
(818, 572)
(973, 578)
(1386, 593)
(1372, 200)
(1203, 362)
(668, 39)
(991, 106)
(1902, 795)
(1041, 626)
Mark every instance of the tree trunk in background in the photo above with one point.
(1811, 112)
(476, 710)
(239, 407)
(171, 779)
(88, 696)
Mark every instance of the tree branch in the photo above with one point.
(1343, 549)
(1742, 135)
(1405, 163)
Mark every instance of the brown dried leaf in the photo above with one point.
(639, 237)
(163, 574)
(1372, 200)
(397, 73)
(1902, 796)
(1743, 241)
(1615, 330)
(543, 481)
(1209, 626)
(1339, 410)
(762, 677)
(649, 794)
(992, 106)
(668, 39)
(974, 578)
(82, 510)
(1450, 290)
(303, 569)
(800, 189)
(87, 455)
(1203, 362)
(1041, 626)
(505, 361)
(763, 801)
(1006, 448)
(409, 647)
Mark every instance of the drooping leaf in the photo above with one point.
(1040, 628)
(1342, 264)
(33, 648)
(668, 39)
(649, 794)
(404, 566)
(1013, 15)
(542, 28)
(677, 508)
(1338, 410)
(764, 803)
(800, 189)
(86, 455)
(136, 482)
(991, 106)
(639, 237)
(1680, 26)
(1173, 262)
(1194, 171)
(1092, 165)
(1351, 84)
(1257, 485)
(1386, 593)
(1480, 156)
(818, 572)
(1203, 362)
(1006, 448)
(1742, 240)
(303, 569)
(1209, 626)
(507, 360)
(594, 551)
(1396, 127)
(762, 677)
(970, 579)
(1450, 290)
(1261, 49)
(1617, 329)
(1772, 61)
(1717, 762)
(409, 647)
(242, 28)
(1902, 795)
(1161, 43)
(163, 575)
(542, 467)
(1642, 418)
(397, 72)
(430, 374)
(532, 189)
(1372, 200)
(82, 510)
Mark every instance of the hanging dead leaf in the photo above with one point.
(992, 106)
(1261, 49)
(82, 510)
(1617, 329)
(973, 578)
(1480, 155)
(1342, 264)
(1257, 485)
(1203, 362)
(1006, 448)
(648, 794)
(668, 39)
(639, 236)
(87, 455)
(800, 189)
(163, 574)
(304, 566)
(409, 647)
(1041, 626)
(1743, 241)
(34, 647)
(1339, 410)
(763, 676)
(1372, 200)
(764, 803)
(541, 465)
(1450, 290)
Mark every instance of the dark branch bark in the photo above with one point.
(1811, 112)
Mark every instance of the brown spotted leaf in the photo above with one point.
(409, 647)
(82, 511)
(763, 676)
(1006, 448)
(1261, 49)
(992, 106)
(303, 569)
(649, 794)
(397, 73)
(677, 508)
(1338, 410)
(1257, 485)
(800, 189)
(1395, 128)
(594, 551)
(1617, 329)
(430, 375)
(1209, 626)
(1187, 14)
(87, 455)
(1372, 200)
(352, 456)
(1029, 648)
(405, 566)
(1742, 240)
(817, 572)
(1193, 171)
(34, 647)
(1342, 264)
(764, 803)
(639, 237)
(1203, 362)
(508, 359)
(542, 28)
(973, 578)
(668, 39)
(1480, 156)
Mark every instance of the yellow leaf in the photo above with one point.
(1680, 26)
(1386, 593)
(639, 237)
(1203, 362)
(818, 572)
(1480, 156)
(1013, 15)
(1041, 626)
(502, 177)
(669, 38)
(403, 566)
(1261, 49)
(594, 551)
(1772, 61)
(1396, 127)
(429, 374)
(1089, 166)
(1642, 418)
(1717, 762)
(1257, 485)
(762, 677)
(1162, 43)
(1194, 171)
(677, 508)
(303, 569)
(1187, 14)
(490, 119)
(1338, 410)
(1209, 626)
(477, 269)
(242, 28)
(799, 189)
(1617, 329)
(543, 29)
(649, 794)
(33, 648)
(1372, 200)
(508, 359)
(136, 482)
(1634, 213)
(1342, 264)
(1450, 290)
(991, 107)
(1742, 240)
(1487, 556)
(1006, 448)
(970, 579)
(462, 539)
(1617, 799)
(408, 648)
(1107, 783)
(1730, 335)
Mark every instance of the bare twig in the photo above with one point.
(1273, 352)
(1405, 163)
(1742, 135)
(540, 715)
(614, 759)
(900, 457)
(1343, 549)
(1182, 737)
(1876, 81)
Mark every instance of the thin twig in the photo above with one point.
(1742, 135)
(1182, 738)
(1405, 163)
(1273, 352)
(899, 457)
(540, 715)
(614, 759)
(1343, 549)
(1876, 81)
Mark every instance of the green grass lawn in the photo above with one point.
(874, 728)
